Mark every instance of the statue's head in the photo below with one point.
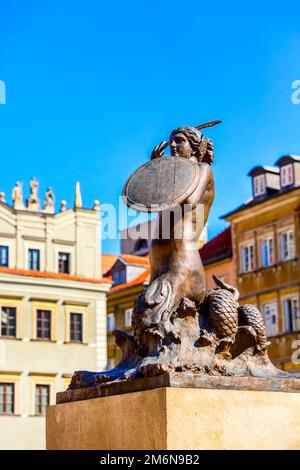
(185, 142)
(188, 142)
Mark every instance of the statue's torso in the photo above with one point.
(174, 249)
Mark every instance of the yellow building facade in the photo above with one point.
(266, 255)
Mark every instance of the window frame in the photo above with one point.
(39, 386)
(271, 304)
(83, 311)
(53, 327)
(119, 276)
(295, 320)
(243, 247)
(37, 379)
(291, 251)
(269, 240)
(6, 247)
(12, 378)
(29, 266)
(7, 326)
(74, 340)
(17, 304)
(259, 185)
(8, 384)
(289, 176)
(43, 320)
(68, 254)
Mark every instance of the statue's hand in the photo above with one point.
(207, 151)
(159, 150)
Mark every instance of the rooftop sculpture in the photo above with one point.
(179, 326)
(33, 202)
(49, 201)
(17, 196)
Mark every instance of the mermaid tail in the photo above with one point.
(223, 310)
(249, 315)
(153, 310)
(225, 315)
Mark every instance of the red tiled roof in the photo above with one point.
(217, 248)
(128, 259)
(65, 277)
(107, 262)
(133, 259)
(135, 282)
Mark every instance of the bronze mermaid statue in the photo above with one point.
(177, 324)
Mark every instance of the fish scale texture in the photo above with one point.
(250, 315)
(223, 313)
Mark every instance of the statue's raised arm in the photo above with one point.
(159, 150)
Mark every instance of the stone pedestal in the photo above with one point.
(177, 418)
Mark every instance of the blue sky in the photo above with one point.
(93, 86)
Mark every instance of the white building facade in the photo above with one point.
(53, 311)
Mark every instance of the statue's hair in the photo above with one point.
(202, 146)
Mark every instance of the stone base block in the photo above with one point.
(177, 419)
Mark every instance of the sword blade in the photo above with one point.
(207, 124)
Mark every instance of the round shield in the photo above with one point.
(161, 184)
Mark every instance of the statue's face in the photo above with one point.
(180, 146)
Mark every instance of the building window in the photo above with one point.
(286, 175)
(34, 259)
(267, 252)
(291, 314)
(119, 276)
(4, 256)
(75, 324)
(76, 327)
(8, 321)
(259, 185)
(43, 324)
(270, 317)
(64, 263)
(247, 253)
(127, 319)
(7, 398)
(287, 245)
(42, 399)
(110, 322)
